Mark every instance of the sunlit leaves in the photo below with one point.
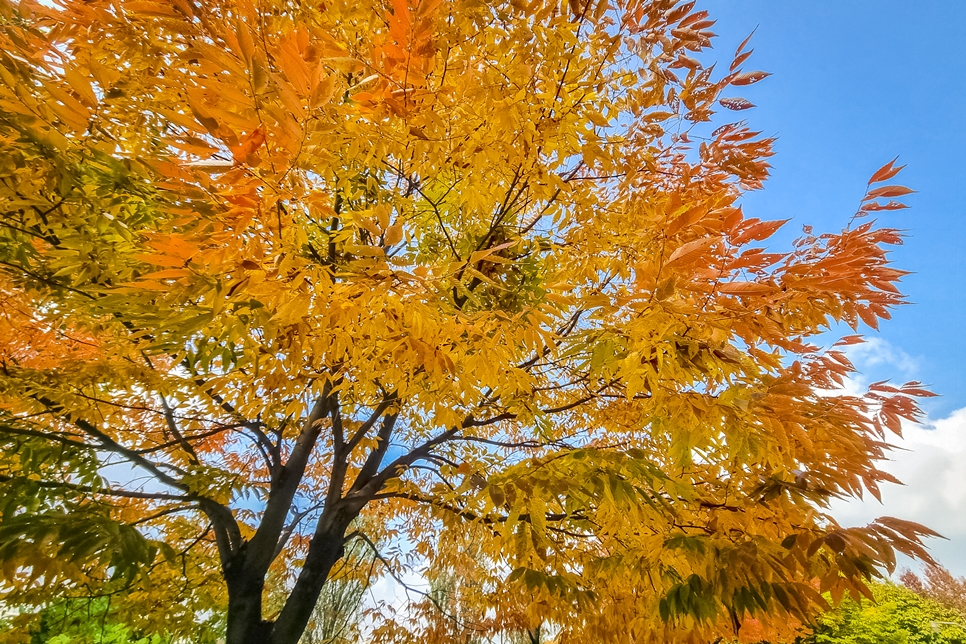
(456, 267)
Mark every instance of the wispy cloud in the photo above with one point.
(876, 352)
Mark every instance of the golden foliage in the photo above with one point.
(457, 267)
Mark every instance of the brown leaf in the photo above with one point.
(749, 78)
(740, 59)
(876, 206)
(736, 103)
(745, 42)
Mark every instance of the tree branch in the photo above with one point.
(375, 552)
(110, 444)
(374, 460)
(290, 528)
(173, 426)
(262, 546)
(227, 532)
(367, 425)
(57, 438)
(86, 489)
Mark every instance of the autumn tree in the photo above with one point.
(476, 273)
(939, 585)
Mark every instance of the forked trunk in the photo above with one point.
(245, 622)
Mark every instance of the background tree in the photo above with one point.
(939, 585)
(73, 622)
(897, 615)
(453, 267)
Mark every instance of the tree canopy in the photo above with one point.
(468, 281)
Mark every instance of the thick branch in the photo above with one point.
(263, 543)
(57, 438)
(173, 427)
(374, 460)
(170, 421)
(191, 437)
(108, 443)
(226, 529)
(326, 548)
(369, 422)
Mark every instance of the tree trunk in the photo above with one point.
(245, 623)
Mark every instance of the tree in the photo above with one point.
(897, 616)
(456, 268)
(69, 622)
(939, 585)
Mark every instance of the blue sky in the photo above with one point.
(854, 84)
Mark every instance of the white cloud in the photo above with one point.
(932, 466)
(388, 589)
(930, 460)
(876, 359)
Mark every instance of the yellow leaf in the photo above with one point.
(394, 235)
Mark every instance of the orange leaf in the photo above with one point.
(80, 84)
(888, 191)
(401, 19)
(760, 231)
(680, 12)
(915, 389)
(868, 317)
(849, 339)
(885, 172)
(683, 221)
(692, 250)
(746, 288)
(248, 145)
